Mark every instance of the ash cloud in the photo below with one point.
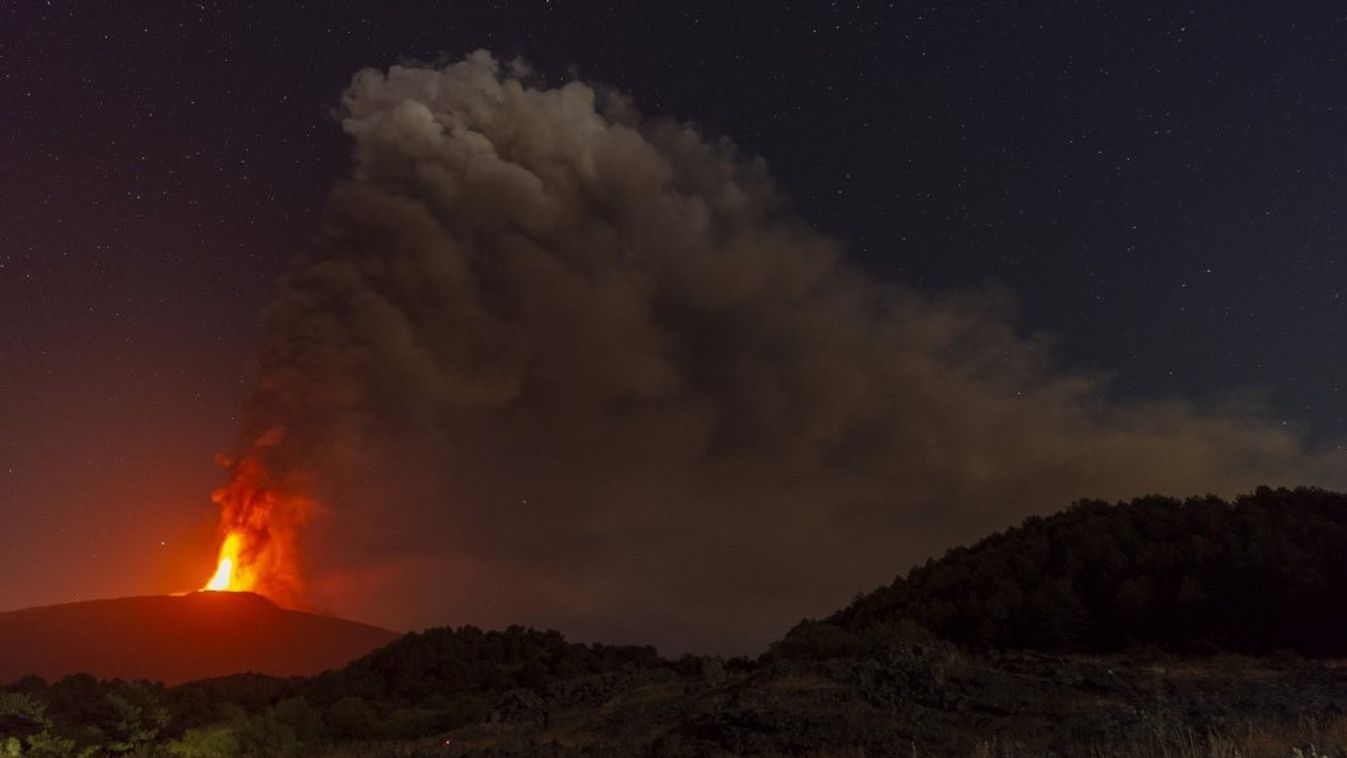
(553, 363)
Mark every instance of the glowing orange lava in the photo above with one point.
(224, 579)
(260, 524)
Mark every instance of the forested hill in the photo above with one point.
(1267, 572)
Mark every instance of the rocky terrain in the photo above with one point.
(927, 700)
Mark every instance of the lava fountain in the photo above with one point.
(260, 524)
(223, 580)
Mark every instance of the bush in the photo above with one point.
(206, 742)
(815, 641)
(266, 736)
(352, 718)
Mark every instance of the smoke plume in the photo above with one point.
(554, 363)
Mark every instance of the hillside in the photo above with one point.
(1263, 573)
(177, 638)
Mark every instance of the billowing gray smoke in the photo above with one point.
(555, 364)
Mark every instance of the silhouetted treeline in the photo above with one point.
(420, 685)
(448, 662)
(1267, 572)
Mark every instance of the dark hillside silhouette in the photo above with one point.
(1267, 572)
(177, 639)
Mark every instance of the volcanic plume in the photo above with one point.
(260, 524)
(550, 362)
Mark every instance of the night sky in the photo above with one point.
(1159, 186)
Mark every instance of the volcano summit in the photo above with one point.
(178, 638)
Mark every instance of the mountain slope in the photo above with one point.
(178, 638)
(1265, 572)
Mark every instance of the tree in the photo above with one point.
(134, 719)
(216, 741)
(23, 720)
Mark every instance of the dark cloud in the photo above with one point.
(552, 363)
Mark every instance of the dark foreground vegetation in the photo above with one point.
(1124, 630)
